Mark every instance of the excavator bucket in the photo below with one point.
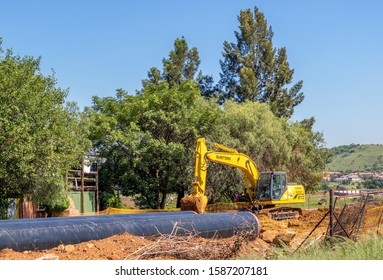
(194, 203)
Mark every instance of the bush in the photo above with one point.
(59, 207)
(110, 200)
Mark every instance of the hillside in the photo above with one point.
(354, 158)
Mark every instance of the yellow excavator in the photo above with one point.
(265, 192)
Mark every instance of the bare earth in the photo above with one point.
(127, 246)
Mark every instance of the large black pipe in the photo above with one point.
(41, 234)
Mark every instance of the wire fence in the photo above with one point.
(349, 216)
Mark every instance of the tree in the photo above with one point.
(39, 137)
(207, 87)
(273, 143)
(308, 154)
(252, 69)
(258, 133)
(181, 65)
(373, 183)
(148, 140)
(252, 129)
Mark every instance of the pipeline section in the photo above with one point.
(46, 233)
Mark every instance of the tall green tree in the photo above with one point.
(39, 137)
(253, 69)
(181, 65)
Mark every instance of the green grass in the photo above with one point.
(342, 249)
(358, 158)
(371, 248)
(312, 202)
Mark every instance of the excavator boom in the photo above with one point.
(197, 201)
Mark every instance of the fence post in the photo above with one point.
(82, 188)
(331, 206)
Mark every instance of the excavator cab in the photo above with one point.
(273, 190)
(271, 186)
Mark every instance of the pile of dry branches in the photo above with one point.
(190, 246)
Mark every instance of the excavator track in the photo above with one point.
(275, 213)
(282, 213)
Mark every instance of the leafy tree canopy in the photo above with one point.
(273, 143)
(39, 135)
(373, 183)
(149, 139)
(308, 154)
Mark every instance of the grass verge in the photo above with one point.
(370, 248)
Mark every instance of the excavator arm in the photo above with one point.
(197, 201)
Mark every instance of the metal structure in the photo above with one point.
(82, 181)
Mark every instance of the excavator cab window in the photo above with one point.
(271, 185)
(278, 183)
(263, 186)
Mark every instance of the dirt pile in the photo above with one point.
(113, 248)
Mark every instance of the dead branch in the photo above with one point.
(190, 246)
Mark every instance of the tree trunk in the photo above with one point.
(180, 195)
(158, 192)
(163, 200)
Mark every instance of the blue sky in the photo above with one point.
(96, 47)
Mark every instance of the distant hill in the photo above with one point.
(354, 158)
